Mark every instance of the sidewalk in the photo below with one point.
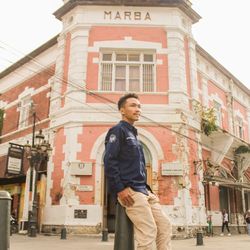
(23, 242)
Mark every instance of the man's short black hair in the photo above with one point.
(124, 98)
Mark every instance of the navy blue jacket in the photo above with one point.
(124, 161)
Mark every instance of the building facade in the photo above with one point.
(72, 83)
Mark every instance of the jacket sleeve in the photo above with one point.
(111, 159)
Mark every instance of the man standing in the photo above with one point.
(125, 168)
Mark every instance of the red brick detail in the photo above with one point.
(166, 138)
(227, 163)
(211, 192)
(137, 33)
(205, 154)
(214, 89)
(42, 109)
(15, 205)
(162, 81)
(3, 162)
(25, 132)
(58, 173)
(214, 198)
(92, 72)
(43, 105)
(87, 140)
(66, 66)
(247, 173)
(35, 82)
(11, 120)
(243, 111)
(108, 33)
(168, 189)
(113, 98)
(241, 108)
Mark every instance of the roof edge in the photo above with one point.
(29, 57)
(204, 53)
(183, 5)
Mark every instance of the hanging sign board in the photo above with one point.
(15, 159)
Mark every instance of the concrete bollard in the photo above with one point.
(199, 238)
(63, 234)
(124, 230)
(105, 234)
(5, 201)
(32, 231)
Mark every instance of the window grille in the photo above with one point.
(239, 130)
(25, 108)
(127, 72)
(217, 109)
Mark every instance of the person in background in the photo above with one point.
(209, 225)
(124, 165)
(225, 220)
(247, 219)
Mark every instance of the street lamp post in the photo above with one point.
(37, 153)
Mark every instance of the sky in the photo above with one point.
(223, 31)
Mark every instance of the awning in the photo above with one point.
(13, 180)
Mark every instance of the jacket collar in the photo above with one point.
(129, 126)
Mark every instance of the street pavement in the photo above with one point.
(41, 242)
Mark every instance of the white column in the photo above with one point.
(78, 66)
(205, 92)
(57, 80)
(193, 70)
(71, 148)
(177, 69)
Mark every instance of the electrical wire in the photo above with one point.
(68, 97)
(87, 91)
(104, 98)
(145, 117)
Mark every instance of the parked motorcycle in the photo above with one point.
(13, 225)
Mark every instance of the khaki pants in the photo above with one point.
(150, 223)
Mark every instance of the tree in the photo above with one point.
(208, 119)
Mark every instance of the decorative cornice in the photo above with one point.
(184, 5)
(29, 57)
(217, 65)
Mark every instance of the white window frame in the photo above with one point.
(24, 109)
(127, 63)
(218, 113)
(239, 127)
